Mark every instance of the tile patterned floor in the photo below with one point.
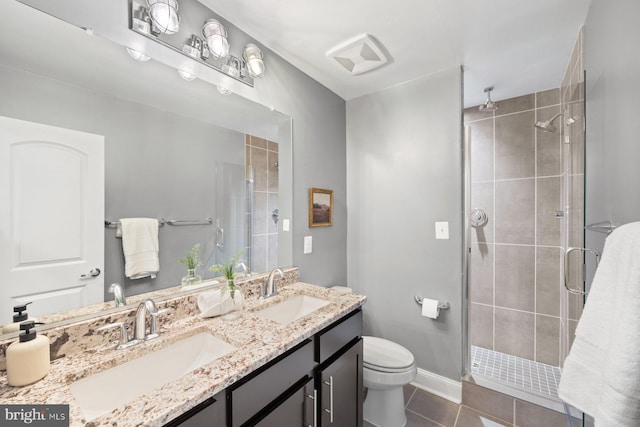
(514, 370)
(424, 409)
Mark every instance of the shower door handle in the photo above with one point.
(566, 268)
(220, 238)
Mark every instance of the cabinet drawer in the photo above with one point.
(332, 339)
(296, 410)
(253, 394)
(210, 413)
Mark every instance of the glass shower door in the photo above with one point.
(577, 254)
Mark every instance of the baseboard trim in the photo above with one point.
(439, 385)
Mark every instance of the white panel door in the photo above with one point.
(51, 218)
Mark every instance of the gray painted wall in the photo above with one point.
(404, 159)
(319, 160)
(612, 87)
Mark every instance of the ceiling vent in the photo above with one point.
(358, 55)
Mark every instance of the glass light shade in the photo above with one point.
(253, 57)
(187, 76)
(224, 90)
(137, 55)
(164, 15)
(216, 36)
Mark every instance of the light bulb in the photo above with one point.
(164, 15)
(187, 76)
(216, 36)
(253, 57)
(223, 90)
(137, 55)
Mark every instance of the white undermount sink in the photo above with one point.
(292, 308)
(105, 391)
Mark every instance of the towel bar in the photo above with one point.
(441, 305)
(163, 221)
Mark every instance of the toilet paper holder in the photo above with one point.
(441, 305)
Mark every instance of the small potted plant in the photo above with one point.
(228, 270)
(191, 261)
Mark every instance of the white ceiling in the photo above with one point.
(518, 46)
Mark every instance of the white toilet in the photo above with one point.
(387, 368)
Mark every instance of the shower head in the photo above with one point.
(489, 105)
(547, 125)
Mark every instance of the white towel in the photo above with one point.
(140, 247)
(601, 375)
(216, 302)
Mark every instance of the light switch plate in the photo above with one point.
(442, 230)
(308, 244)
(285, 225)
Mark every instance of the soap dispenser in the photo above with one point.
(28, 358)
(18, 318)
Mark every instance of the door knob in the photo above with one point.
(94, 272)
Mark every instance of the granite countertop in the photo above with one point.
(257, 341)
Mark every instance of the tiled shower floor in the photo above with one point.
(523, 373)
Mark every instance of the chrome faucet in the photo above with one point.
(269, 288)
(244, 267)
(140, 323)
(118, 294)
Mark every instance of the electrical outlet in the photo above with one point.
(308, 244)
(442, 230)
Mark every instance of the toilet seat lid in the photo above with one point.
(385, 354)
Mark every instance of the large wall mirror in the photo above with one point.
(173, 149)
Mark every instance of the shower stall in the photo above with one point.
(525, 204)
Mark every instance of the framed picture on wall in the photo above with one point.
(320, 207)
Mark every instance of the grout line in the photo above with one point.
(411, 397)
(426, 418)
(455, 423)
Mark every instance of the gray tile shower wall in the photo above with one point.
(262, 156)
(514, 280)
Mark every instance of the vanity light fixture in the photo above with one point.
(164, 16)
(216, 36)
(142, 24)
(195, 48)
(253, 57)
(232, 67)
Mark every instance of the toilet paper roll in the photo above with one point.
(430, 308)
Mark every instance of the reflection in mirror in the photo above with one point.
(173, 150)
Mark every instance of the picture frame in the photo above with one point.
(320, 207)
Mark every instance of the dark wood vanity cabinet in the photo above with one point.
(261, 392)
(340, 381)
(338, 376)
(210, 413)
(318, 383)
(296, 408)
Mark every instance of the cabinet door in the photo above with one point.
(341, 390)
(296, 410)
(255, 393)
(210, 413)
